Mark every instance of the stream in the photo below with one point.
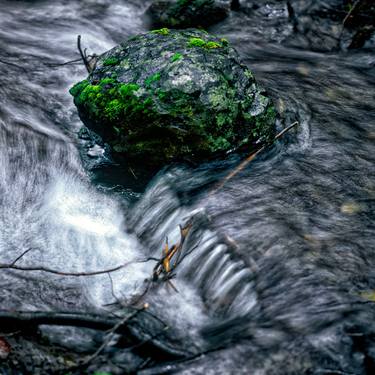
(278, 276)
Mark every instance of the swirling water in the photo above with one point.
(278, 258)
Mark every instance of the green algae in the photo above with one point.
(111, 61)
(153, 78)
(198, 42)
(109, 100)
(177, 56)
(162, 31)
(224, 42)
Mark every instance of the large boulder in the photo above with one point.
(173, 95)
(187, 13)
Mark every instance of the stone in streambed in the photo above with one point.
(187, 13)
(174, 95)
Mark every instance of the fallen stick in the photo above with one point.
(110, 336)
(352, 9)
(83, 55)
(23, 320)
(13, 266)
(249, 159)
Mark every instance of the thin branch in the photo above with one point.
(26, 320)
(83, 54)
(12, 64)
(349, 14)
(19, 257)
(249, 159)
(124, 305)
(152, 337)
(12, 266)
(110, 335)
(352, 9)
(65, 63)
(132, 172)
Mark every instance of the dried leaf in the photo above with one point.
(5, 348)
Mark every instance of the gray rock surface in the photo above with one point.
(171, 95)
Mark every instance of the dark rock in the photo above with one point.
(330, 25)
(235, 5)
(173, 95)
(84, 134)
(187, 13)
(361, 20)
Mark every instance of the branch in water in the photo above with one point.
(83, 55)
(13, 266)
(26, 320)
(110, 336)
(249, 159)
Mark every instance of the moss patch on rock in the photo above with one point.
(174, 95)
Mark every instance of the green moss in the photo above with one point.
(163, 31)
(162, 95)
(222, 119)
(154, 78)
(198, 42)
(211, 45)
(78, 87)
(177, 56)
(248, 74)
(264, 121)
(110, 101)
(111, 61)
(218, 144)
(128, 89)
(107, 81)
(224, 41)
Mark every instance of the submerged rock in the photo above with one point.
(173, 95)
(187, 13)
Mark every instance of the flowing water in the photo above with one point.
(277, 274)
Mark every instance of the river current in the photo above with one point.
(278, 276)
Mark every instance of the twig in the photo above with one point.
(19, 257)
(346, 19)
(26, 320)
(83, 54)
(65, 63)
(110, 335)
(135, 301)
(12, 266)
(12, 64)
(164, 265)
(124, 305)
(152, 337)
(249, 159)
(132, 172)
(352, 9)
(143, 364)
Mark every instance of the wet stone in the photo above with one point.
(187, 13)
(174, 95)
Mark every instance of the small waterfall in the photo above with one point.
(49, 208)
(210, 261)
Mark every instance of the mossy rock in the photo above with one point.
(173, 95)
(187, 13)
